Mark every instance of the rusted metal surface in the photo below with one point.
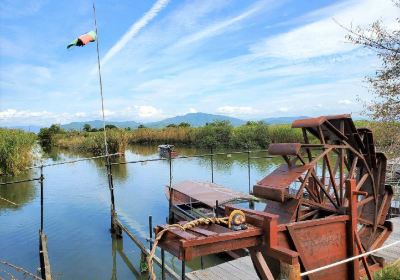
(205, 192)
(328, 202)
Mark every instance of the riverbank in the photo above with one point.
(16, 150)
(216, 135)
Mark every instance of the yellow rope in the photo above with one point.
(188, 225)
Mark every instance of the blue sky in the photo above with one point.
(247, 59)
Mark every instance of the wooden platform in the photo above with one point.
(242, 268)
(392, 253)
(239, 269)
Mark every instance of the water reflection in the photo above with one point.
(118, 247)
(16, 195)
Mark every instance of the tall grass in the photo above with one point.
(93, 142)
(16, 150)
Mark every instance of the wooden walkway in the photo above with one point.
(242, 268)
(392, 253)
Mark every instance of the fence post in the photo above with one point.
(212, 164)
(41, 198)
(248, 167)
(151, 232)
(170, 187)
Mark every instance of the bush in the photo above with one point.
(15, 150)
(93, 142)
(214, 134)
(251, 135)
(284, 133)
(46, 135)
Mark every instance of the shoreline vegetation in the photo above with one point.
(17, 146)
(218, 134)
(16, 150)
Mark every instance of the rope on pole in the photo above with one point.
(188, 225)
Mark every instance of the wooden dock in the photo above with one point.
(242, 268)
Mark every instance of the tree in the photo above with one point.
(386, 81)
(87, 127)
(141, 126)
(184, 124)
(171, 125)
(385, 108)
(110, 126)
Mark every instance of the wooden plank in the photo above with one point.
(241, 268)
(44, 257)
(146, 251)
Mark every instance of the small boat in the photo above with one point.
(193, 200)
(165, 150)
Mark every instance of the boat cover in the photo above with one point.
(208, 193)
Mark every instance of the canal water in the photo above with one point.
(77, 209)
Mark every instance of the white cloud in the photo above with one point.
(134, 29)
(15, 114)
(80, 115)
(283, 109)
(218, 27)
(325, 36)
(237, 110)
(192, 110)
(345, 102)
(146, 111)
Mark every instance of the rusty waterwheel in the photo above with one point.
(311, 184)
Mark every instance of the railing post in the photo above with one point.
(170, 186)
(162, 264)
(183, 270)
(114, 226)
(212, 164)
(248, 168)
(151, 232)
(41, 198)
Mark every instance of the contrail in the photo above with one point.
(134, 29)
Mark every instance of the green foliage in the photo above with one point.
(386, 136)
(218, 133)
(87, 127)
(15, 150)
(171, 125)
(110, 126)
(251, 135)
(46, 135)
(284, 133)
(184, 124)
(390, 272)
(141, 126)
(93, 142)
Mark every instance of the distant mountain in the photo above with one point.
(283, 120)
(28, 128)
(195, 119)
(99, 124)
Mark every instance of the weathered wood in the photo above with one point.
(145, 251)
(44, 257)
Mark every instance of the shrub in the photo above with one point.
(15, 150)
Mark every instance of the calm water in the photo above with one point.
(77, 210)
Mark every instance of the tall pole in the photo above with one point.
(108, 165)
(100, 82)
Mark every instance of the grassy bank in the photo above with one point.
(217, 134)
(92, 142)
(386, 136)
(15, 150)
